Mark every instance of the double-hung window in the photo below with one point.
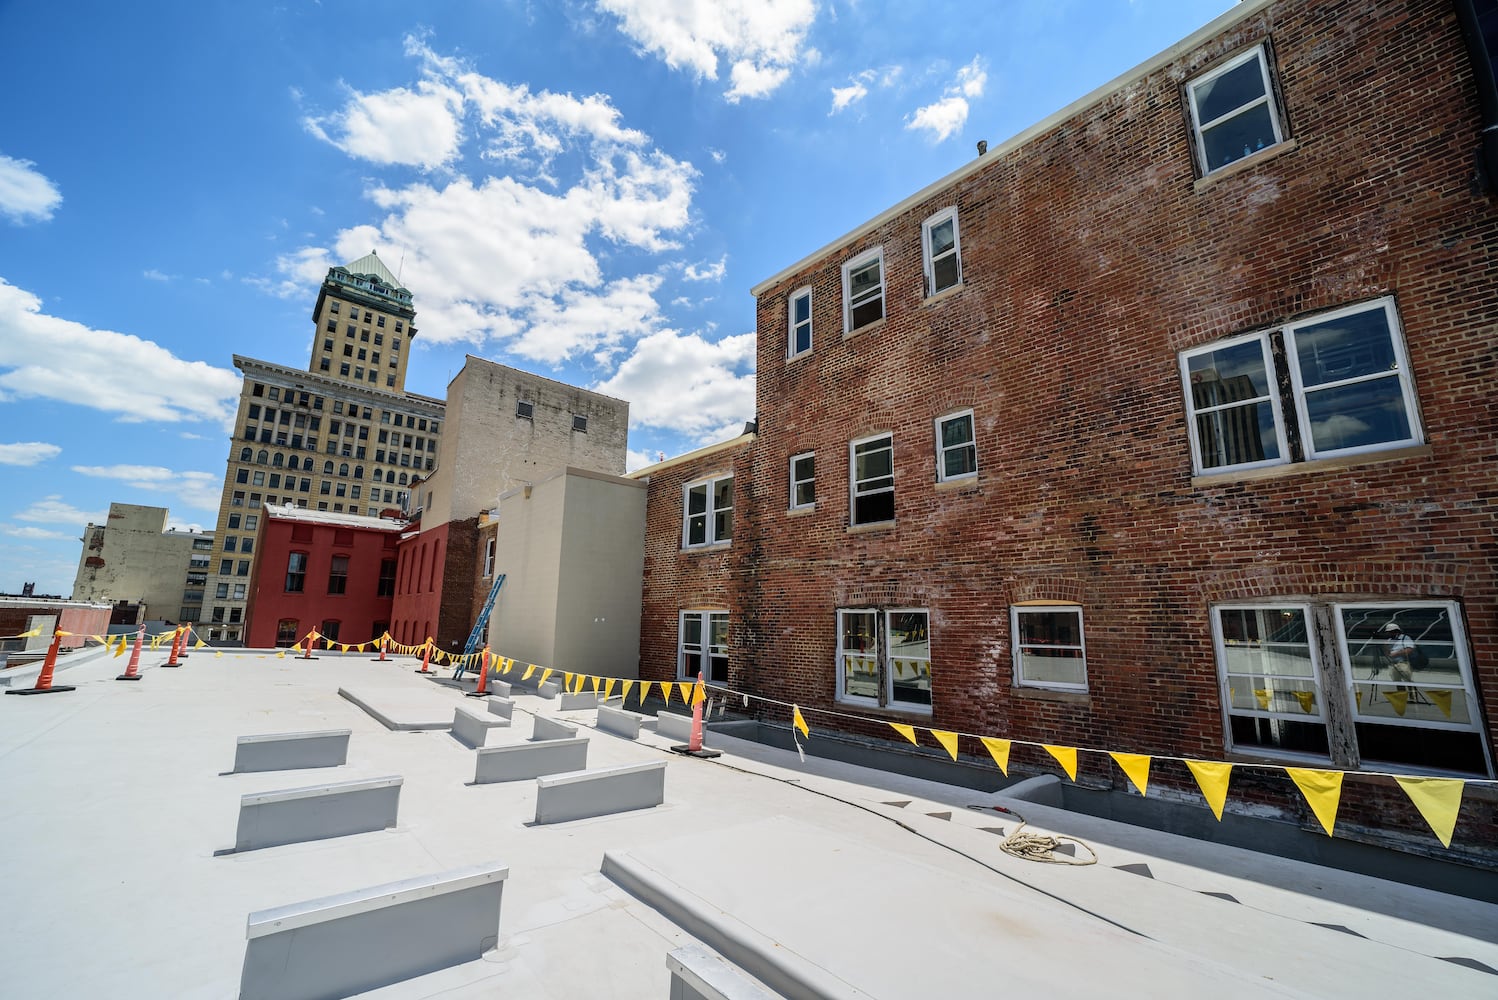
(884, 658)
(1233, 111)
(338, 575)
(863, 290)
(489, 558)
(803, 481)
(941, 251)
(871, 463)
(1350, 391)
(956, 449)
(707, 507)
(1048, 647)
(703, 646)
(799, 323)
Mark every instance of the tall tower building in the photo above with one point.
(342, 435)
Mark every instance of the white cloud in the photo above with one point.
(718, 155)
(201, 490)
(27, 452)
(945, 117)
(52, 510)
(686, 383)
(762, 40)
(706, 272)
(25, 194)
(151, 274)
(52, 358)
(37, 534)
(842, 97)
(418, 127)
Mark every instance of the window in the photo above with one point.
(338, 575)
(1401, 681)
(286, 632)
(296, 572)
(708, 512)
(257, 479)
(800, 322)
(333, 306)
(1047, 646)
(239, 591)
(251, 521)
(703, 647)
(1350, 391)
(1233, 112)
(242, 568)
(872, 479)
(488, 559)
(524, 411)
(803, 481)
(231, 542)
(242, 476)
(247, 544)
(956, 453)
(225, 567)
(386, 586)
(940, 250)
(884, 658)
(863, 290)
(218, 613)
(234, 520)
(221, 591)
(579, 424)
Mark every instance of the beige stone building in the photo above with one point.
(134, 557)
(341, 435)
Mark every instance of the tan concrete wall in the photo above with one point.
(528, 551)
(602, 564)
(142, 561)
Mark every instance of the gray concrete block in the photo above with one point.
(21, 677)
(699, 974)
(523, 761)
(581, 794)
(619, 722)
(359, 941)
(291, 751)
(673, 726)
(582, 699)
(549, 690)
(501, 689)
(543, 728)
(317, 812)
(501, 706)
(473, 729)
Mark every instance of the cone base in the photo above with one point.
(128, 677)
(687, 751)
(477, 694)
(46, 690)
(172, 665)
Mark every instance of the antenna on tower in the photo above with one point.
(401, 266)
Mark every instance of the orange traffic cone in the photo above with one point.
(426, 657)
(44, 683)
(132, 672)
(482, 691)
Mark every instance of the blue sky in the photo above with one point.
(585, 189)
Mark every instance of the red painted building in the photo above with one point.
(319, 570)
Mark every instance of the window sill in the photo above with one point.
(866, 328)
(957, 485)
(810, 508)
(687, 550)
(1083, 698)
(1247, 163)
(931, 300)
(792, 358)
(1313, 466)
(858, 529)
(883, 712)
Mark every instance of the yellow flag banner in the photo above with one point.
(281, 655)
(120, 648)
(1136, 766)
(799, 722)
(699, 694)
(685, 687)
(1439, 800)
(199, 644)
(30, 635)
(1066, 757)
(218, 655)
(528, 671)
(644, 691)
(1323, 791)
(509, 665)
(906, 731)
(1442, 700)
(1261, 695)
(947, 740)
(1399, 699)
(1212, 777)
(568, 680)
(1307, 700)
(608, 688)
(628, 687)
(998, 750)
(544, 675)
(595, 684)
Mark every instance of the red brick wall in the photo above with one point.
(357, 610)
(418, 586)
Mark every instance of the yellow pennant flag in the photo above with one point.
(218, 655)
(199, 644)
(119, 649)
(644, 691)
(608, 689)
(998, 750)
(528, 671)
(699, 693)
(595, 683)
(1261, 695)
(281, 655)
(1066, 757)
(1212, 777)
(1399, 699)
(509, 664)
(799, 722)
(628, 687)
(544, 674)
(1360, 700)
(30, 635)
(1323, 791)
(685, 687)
(1307, 701)
(1439, 800)
(1136, 766)
(906, 731)
(1442, 700)
(567, 681)
(947, 740)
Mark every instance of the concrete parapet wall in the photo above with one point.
(580, 794)
(673, 726)
(581, 699)
(501, 706)
(473, 729)
(294, 815)
(291, 751)
(619, 722)
(698, 974)
(543, 728)
(549, 690)
(523, 761)
(363, 940)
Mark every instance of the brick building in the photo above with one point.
(1138, 431)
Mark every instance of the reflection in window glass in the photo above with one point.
(1348, 369)
(1233, 111)
(1236, 421)
(909, 645)
(1048, 648)
(858, 655)
(1269, 672)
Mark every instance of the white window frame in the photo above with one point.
(703, 652)
(1198, 464)
(863, 260)
(941, 449)
(1226, 689)
(489, 558)
(792, 327)
(929, 258)
(1016, 611)
(1402, 373)
(880, 659)
(854, 493)
(1199, 127)
(709, 512)
(810, 480)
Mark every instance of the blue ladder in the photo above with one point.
(478, 626)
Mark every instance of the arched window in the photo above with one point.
(327, 468)
(306, 465)
(278, 460)
(378, 475)
(343, 468)
(358, 472)
(246, 454)
(262, 457)
(403, 479)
